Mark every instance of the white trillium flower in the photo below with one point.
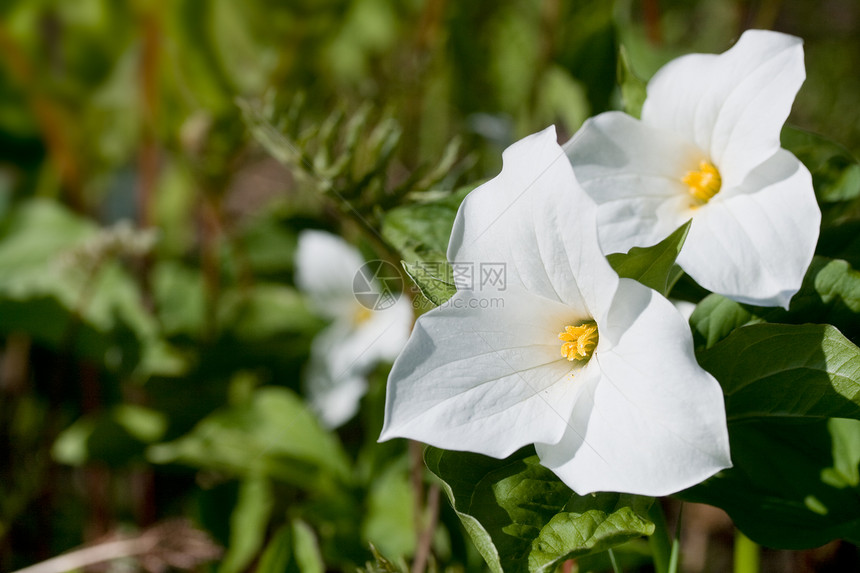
(598, 372)
(358, 337)
(707, 149)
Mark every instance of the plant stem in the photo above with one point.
(675, 555)
(746, 554)
(612, 560)
(661, 547)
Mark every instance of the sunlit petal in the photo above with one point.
(487, 381)
(731, 105)
(652, 422)
(762, 238)
(633, 171)
(535, 219)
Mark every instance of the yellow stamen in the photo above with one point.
(579, 341)
(704, 183)
(361, 314)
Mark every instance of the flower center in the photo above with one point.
(579, 342)
(704, 183)
(361, 315)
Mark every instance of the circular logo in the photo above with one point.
(377, 285)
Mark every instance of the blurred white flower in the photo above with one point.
(708, 148)
(598, 372)
(358, 338)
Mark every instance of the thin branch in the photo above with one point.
(171, 544)
(425, 537)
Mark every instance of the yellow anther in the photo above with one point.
(361, 314)
(704, 183)
(579, 341)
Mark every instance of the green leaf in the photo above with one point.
(633, 88)
(117, 437)
(561, 99)
(830, 294)
(653, 266)
(793, 485)
(272, 435)
(265, 311)
(307, 553)
(420, 231)
(435, 281)
(60, 283)
(715, 317)
(835, 172)
(389, 521)
(293, 549)
(836, 179)
(248, 524)
(590, 524)
(277, 556)
(180, 296)
(803, 371)
(521, 517)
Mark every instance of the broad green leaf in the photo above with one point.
(521, 517)
(793, 485)
(830, 294)
(420, 232)
(632, 86)
(715, 317)
(836, 179)
(653, 266)
(835, 172)
(435, 281)
(273, 435)
(803, 371)
(590, 524)
(248, 524)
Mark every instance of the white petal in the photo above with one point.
(381, 337)
(325, 269)
(334, 398)
(652, 422)
(332, 387)
(755, 243)
(487, 381)
(344, 353)
(634, 172)
(535, 218)
(732, 105)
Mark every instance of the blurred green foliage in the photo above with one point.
(157, 162)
